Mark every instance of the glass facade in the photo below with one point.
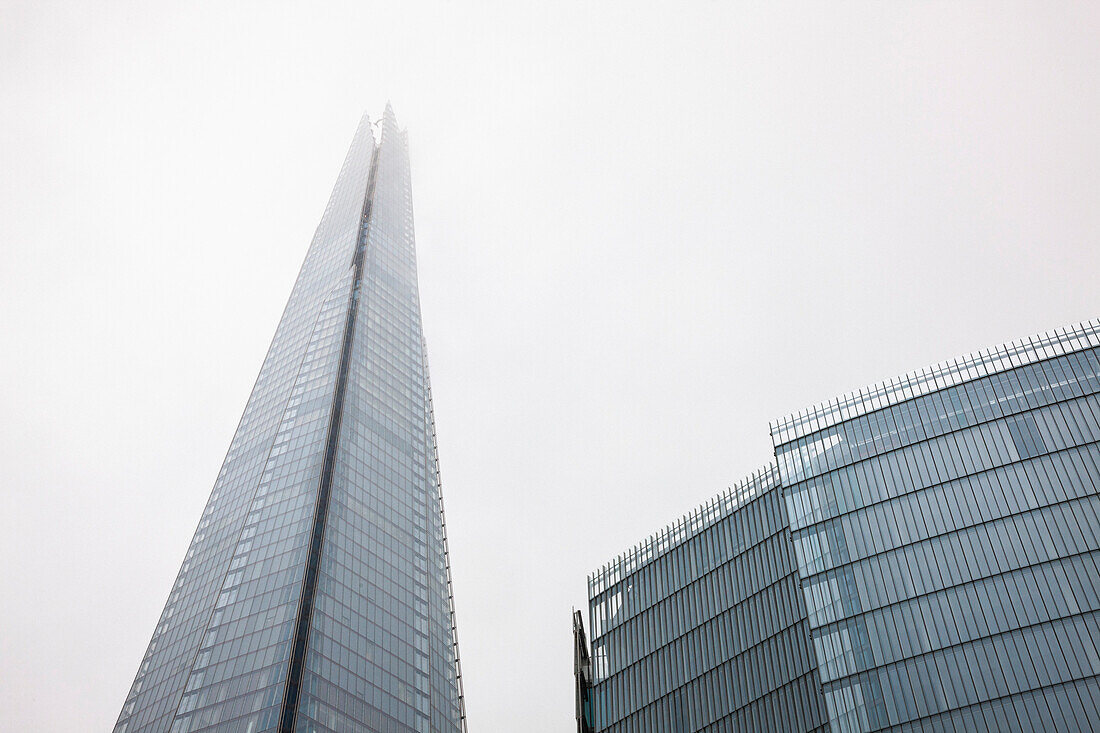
(315, 595)
(702, 627)
(933, 543)
(947, 532)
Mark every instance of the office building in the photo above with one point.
(316, 593)
(938, 538)
(946, 527)
(702, 626)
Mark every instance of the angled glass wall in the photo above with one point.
(946, 527)
(380, 646)
(702, 627)
(925, 557)
(315, 595)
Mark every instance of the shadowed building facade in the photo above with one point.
(702, 627)
(316, 594)
(943, 533)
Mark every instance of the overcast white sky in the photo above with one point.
(643, 232)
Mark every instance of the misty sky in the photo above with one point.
(642, 235)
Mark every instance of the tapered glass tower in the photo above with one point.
(316, 593)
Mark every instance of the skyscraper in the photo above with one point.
(923, 556)
(316, 592)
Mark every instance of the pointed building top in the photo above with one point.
(388, 125)
(388, 117)
(365, 126)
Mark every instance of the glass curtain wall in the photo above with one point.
(946, 528)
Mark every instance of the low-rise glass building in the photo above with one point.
(702, 627)
(946, 527)
(924, 557)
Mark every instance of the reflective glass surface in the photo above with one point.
(925, 557)
(948, 546)
(703, 627)
(381, 653)
(330, 480)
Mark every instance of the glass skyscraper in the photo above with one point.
(316, 592)
(943, 531)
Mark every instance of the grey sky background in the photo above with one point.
(644, 230)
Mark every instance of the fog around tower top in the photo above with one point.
(641, 236)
